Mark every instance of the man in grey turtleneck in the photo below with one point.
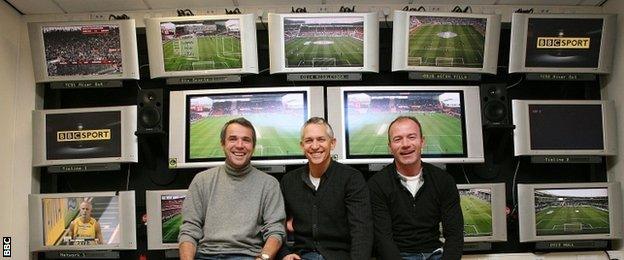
(233, 211)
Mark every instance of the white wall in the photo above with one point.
(17, 100)
(614, 90)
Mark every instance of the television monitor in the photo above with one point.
(551, 127)
(56, 221)
(202, 45)
(323, 42)
(570, 211)
(277, 114)
(84, 136)
(450, 117)
(84, 50)
(562, 43)
(484, 212)
(445, 42)
(164, 217)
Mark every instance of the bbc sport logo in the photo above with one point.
(6, 246)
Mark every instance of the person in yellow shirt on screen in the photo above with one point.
(84, 226)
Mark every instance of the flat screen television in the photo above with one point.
(324, 42)
(84, 136)
(551, 127)
(277, 114)
(83, 51)
(56, 221)
(164, 217)
(570, 211)
(484, 212)
(202, 45)
(450, 117)
(562, 43)
(445, 42)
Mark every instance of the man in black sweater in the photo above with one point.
(410, 199)
(327, 202)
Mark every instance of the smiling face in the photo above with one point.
(406, 143)
(317, 144)
(238, 145)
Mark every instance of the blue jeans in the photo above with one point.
(435, 255)
(312, 256)
(200, 256)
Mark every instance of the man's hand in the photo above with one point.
(292, 257)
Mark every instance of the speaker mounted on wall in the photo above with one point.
(149, 114)
(494, 106)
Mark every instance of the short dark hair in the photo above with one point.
(319, 121)
(401, 118)
(241, 121)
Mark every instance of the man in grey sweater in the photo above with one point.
(233, 211)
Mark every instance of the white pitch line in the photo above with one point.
(382, 129)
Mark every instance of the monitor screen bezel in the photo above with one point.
(178, 131)
(249, 52)
(129, 141)
(128, 45)
(499, 216)
(472, 112)
(518, 43)
(400, 42)
(127, 221)
(522, 133)
(277, 53)
(154, 218)
(526, 211)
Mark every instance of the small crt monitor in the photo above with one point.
(164, 217)
(450, 117)
(445, 42)
(83, 51)
(324, 42)
(82, 221)
(570, 211)
(562, 43)
(483, 208)
(79, 136)
(202, 45)
(277, 115)
(553, 127)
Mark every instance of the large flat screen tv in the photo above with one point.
(164, 217)
(82, 51)
(55, 221)
(450, 117)
(484, 212)
(202, 45)
(85, 136)
(277, 114)
(570, 211)
(324, 42)
(553, 127)
(562, 43)
(445, 42)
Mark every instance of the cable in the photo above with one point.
(513, 188)
(515, 84)
(128, 178)
(465, 175)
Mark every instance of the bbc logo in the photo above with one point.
(6, 246)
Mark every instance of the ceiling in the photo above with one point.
(41, 7)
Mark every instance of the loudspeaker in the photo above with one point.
(149, 114)
(494, 105)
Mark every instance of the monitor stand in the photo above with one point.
(82, 255)
(477, 246)
(572, 244)
(172, 253)
(91, 167)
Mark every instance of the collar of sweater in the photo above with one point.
(237, 172)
